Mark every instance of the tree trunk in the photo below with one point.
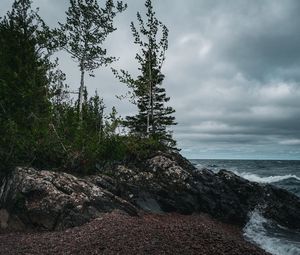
(148, 110)
(150, 106)
(81, 90)
(152, 111)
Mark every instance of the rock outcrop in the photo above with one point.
(51, 201)
(169, 183)
(163, 183)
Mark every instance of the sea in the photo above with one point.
(285, 174)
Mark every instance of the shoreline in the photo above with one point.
(118, 233)
(155, 206)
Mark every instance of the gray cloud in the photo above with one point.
(232, 71)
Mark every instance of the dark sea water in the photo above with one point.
(282, 173)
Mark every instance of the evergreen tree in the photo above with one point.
(93, 116)
(83, 34)
(23, 64)
(147, 92)
(25, 106)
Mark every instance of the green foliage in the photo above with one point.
(39, 121)
(153, 117)
(24, 84)
(86, 28)
(137, 148)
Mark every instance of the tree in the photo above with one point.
(83, 34)
(25, 106)
(146, 90)
(24, 63)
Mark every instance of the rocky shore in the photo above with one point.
(145, 192)
(118, 233)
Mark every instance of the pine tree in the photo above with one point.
(24, 64)
(25, 105)
(83, 34)
(153, 117)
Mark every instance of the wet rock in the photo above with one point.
(169, 183)
(163, 183)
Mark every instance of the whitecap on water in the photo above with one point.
(262, 232)
(268, 179)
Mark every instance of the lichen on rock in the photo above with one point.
(50, 200)
(162, 183)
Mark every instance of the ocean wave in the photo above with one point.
(255, 231)
(199, 166)
(268, 179)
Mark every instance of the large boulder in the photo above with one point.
(51, 201)
(163, 183)
(169, 183)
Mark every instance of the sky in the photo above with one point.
(232, 71)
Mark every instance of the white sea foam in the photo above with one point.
(254, 177)
(268, 179)
(200, 166)
(256, 232)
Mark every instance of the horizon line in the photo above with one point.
(257, 159)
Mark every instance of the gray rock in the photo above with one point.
(163, 183)
(172, 184)
(4, 217)
(52, 201)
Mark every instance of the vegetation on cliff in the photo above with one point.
(43, 125)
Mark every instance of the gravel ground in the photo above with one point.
(116, 233)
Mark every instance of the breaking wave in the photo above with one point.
(271, 237)
(268, 235)
(268, 179)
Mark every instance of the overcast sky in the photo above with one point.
(232, 72)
